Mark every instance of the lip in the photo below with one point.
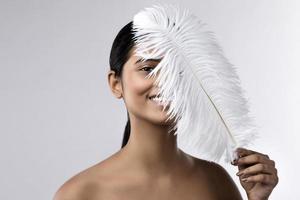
(153, 96)
(160, 105)
(156, 102)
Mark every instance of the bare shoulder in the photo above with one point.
(86, 184)
(218, 179)
(71, 189)
(77, 187)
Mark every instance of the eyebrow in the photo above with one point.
(147, 60)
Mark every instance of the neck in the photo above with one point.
(151, 147)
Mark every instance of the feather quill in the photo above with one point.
(202, 88)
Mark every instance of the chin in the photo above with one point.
(157, 115)
(160, 118)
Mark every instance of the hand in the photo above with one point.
(257, 173)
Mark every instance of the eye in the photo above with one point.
(146, 68)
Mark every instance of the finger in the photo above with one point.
(261, 178)
(253, 159)
(245, 152)
(257, 169)
(272, 163)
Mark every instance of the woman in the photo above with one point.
(150, 165)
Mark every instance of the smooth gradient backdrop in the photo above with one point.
(58, 116)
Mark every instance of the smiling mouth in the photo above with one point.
(157, 99)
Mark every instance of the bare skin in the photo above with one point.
(150, 166)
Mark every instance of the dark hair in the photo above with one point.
(119, 55)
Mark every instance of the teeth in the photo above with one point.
(157, 99)
(154, 98)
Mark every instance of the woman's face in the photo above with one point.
(137, 89)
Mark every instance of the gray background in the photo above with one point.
(58, 116)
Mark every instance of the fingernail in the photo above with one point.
(239, 173)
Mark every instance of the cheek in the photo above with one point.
(137, 87)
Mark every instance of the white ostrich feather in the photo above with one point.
(203, 88)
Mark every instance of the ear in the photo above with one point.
(115, 84)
